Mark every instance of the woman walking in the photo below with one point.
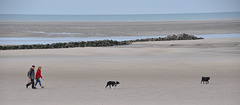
(38, 76)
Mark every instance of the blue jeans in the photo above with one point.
(38, 80)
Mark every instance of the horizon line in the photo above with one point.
(127, 13)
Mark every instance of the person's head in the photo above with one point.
(40, 68)
(33, 66)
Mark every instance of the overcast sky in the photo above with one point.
(116, 6)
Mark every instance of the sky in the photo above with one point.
(117, 6)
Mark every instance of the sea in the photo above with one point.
(124, 17)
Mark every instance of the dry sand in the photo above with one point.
(105, 29)
(150, 73)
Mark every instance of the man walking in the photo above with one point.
(31, 76)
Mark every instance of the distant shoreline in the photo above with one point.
(124, 17)
(163, 21)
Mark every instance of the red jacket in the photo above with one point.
(38, 74)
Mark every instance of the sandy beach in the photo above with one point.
(106, 29)
(159, 52)
(150, 73)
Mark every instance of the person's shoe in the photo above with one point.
(27, 86)
(42, 86)
(34, 88)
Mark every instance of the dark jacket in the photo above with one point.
(31, 74)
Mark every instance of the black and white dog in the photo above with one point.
(112, 83)
(205, 80)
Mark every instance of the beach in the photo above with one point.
(150, 73)
(120, 52)
(115, 28)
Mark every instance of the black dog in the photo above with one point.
(112, 83)
(205, 80)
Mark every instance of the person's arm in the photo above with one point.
(29, 73)
(32, 74)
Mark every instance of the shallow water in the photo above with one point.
(49, 40)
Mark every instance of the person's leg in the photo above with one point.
(36, 82)
(32, 83)
(29, 83)
(39, 82)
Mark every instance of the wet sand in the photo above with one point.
(106, 29)
(150, 73)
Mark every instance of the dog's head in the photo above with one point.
(117, 82)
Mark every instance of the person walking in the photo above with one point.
(31, 76)
(38, 76)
